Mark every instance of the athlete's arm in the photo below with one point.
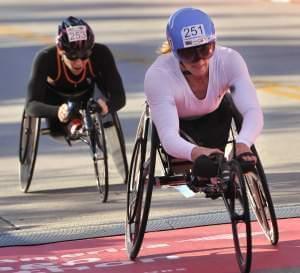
(36, 104)
(108, 78)
(158, 90)
(245, 98)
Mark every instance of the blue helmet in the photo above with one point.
(189, 27)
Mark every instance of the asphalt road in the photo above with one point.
(63, 190)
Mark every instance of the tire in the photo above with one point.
(118, 126)
(28, 147)
(139, 190)
(263, 207)
(100, 161)
(261, 201)
(237, 205)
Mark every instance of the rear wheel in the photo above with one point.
(261, 201)
(139, 190)
(100, 158)
(236, 203)
(28, 147)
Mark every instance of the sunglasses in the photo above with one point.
(195, 53)
(72, 56)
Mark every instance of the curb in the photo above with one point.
(79, 232)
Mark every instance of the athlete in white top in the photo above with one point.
(192, 81)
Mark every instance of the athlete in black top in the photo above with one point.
(69, 71)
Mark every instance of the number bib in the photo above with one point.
(76, 33)
(193, 35)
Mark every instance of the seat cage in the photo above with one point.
(175, 169)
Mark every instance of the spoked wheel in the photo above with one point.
(139, 193)
(258, 191)
(261, 201)
(236, 203)
(28, 146)
(100, 158)
(122, 144)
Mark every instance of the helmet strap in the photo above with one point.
(184, 71)
(83, 76)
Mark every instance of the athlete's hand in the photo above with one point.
(199, 150)
(62, 113)
(243, 148)
(103, 106)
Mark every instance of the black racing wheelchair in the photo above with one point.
(93, 134)
(233, 185)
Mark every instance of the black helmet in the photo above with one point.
(75, 36)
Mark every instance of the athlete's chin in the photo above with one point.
(76, 70)
(198, 72)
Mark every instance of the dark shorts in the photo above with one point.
(211, 130)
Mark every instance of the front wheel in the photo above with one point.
(99, 154)
(261, 201)
(28, 147)
(237, 205)
(262, 207)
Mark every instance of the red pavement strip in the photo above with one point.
(206, 249)
(286, 1)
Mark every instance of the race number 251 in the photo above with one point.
(193, 31)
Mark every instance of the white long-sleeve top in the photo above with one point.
(170, 98)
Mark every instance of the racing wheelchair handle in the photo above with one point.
(73, 109)
(211, 166)
(93, 106)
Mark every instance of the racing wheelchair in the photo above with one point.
(233, 185)
(93, 133)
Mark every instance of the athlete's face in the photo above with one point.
(75, 66)
(199, 68)
(196, 59)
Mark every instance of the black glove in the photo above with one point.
(246, 166)
(204, 166)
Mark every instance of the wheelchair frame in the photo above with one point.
(142, 178)
(94, 137)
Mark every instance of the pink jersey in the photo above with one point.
(170, 98)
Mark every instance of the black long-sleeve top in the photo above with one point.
(49, 87)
